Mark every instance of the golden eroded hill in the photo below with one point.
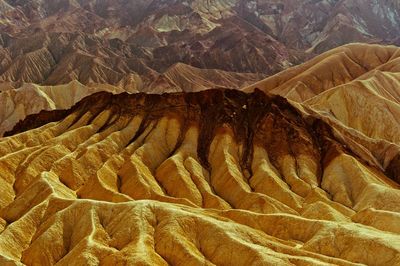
(218, 177)
(16, 104)
(354, 88)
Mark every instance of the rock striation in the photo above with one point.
(217, 177)
(134, 42)
(48, 58)
(354, 88)
(17, 103)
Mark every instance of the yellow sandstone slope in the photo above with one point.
(354, 88)
(207, 178)
(17, 103)
(332, 69)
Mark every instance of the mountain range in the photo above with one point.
(199, 132)
(136, 44)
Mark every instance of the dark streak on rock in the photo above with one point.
(256, 119)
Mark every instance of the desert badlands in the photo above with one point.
(219, 132)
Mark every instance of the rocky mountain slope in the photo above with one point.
(112, 151)
(135, 42)
(354, 88)
(16, 104)
(214, 177)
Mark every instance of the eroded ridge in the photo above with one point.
(216, 178)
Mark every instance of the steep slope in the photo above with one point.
(16, 104)
(331, 69)
(53, 42)
(355, 88)
(320, 25)
(58, 58)
(223, 177)
(181, 77)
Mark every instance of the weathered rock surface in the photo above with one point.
(199, 178)
(53, 42)
(16, 104)
(49, 58)
(217, 177)
(354, 88)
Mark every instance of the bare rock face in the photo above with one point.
(337, 68)
(354, 88)
(17, 103)
(134, 176)
(59, 58)
(53, 42)
(218, 177)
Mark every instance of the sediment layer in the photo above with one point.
(217, 177)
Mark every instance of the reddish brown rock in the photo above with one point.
(222, 176)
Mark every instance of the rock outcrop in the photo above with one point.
(100, 166)
(59, 58)
(16, 104)
(354, 88)
(218, 177)
(135, 42)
